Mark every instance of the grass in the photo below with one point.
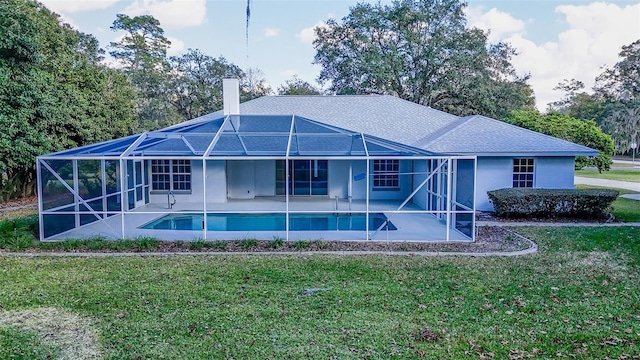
(577, 298)
(622, 175)
(625, 210)
(17, 343)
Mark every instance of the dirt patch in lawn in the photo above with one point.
(72, 334)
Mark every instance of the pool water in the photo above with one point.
(269, 222)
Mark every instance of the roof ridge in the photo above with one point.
(438, 134)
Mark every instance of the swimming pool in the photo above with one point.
(269, 222)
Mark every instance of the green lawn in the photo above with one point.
(577, 298)
(622, 175)
(625, 210)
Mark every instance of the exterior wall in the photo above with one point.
(216, 184)
(241, 179)
(464, 182)
(405, 182)
(338, 178)
(493, 173)
(554, 172)
(420, 170)
(216, 181)
(497, 173)
(265, 178)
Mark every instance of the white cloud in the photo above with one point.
(171, 13)
(499, 24)
(71, 6)
(176, 47)
(594, 37)
(271, 32)
(307, 35)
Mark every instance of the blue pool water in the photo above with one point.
(269, 222)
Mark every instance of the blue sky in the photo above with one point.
(555, 39)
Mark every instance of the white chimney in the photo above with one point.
(231, 96)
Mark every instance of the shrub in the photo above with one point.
(301, 244)
(18, 234)
(276, 242)
(518, 202)
(218, 244)
(247, 243)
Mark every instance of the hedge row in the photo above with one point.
(519, 202)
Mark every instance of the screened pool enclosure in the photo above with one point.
(264, 177)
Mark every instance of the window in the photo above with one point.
(385, 174)
(172, 175)
(522, 173)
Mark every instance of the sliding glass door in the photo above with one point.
(307, 177)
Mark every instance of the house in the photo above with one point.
(508, 156)
(298, 167)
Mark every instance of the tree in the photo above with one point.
(421, 51)
(144, 46)
(143, 52)
(577, 102)
(583, 132)
(621, 120)
(54, 93)
(297, 86)
(197, 82)
(253, 84)
(620, 88)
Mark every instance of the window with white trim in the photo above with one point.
(523, 173)
(386, 174)
(174, 175)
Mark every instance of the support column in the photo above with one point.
(76, 197)
(286, 189)
(39, 194)
(448, 198)
(204, 200)
(122, 195)
(367, 200)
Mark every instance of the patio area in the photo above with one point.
(411, 223)
(260, 177)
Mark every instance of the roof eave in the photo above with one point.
(528, 153)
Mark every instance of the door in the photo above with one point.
(307, 177)
(138, 182)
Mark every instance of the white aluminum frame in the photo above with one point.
(127, 155)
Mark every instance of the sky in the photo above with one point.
(555, 40)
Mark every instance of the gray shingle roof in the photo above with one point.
(402, 121)
(485, 136)
(384, 116)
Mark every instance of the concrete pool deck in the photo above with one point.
(412, 226)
